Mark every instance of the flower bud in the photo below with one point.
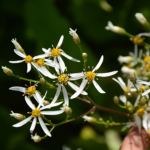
(84, 55)
(141, 18)
(17, 45)
(46, 102)
(129, 106)
(19, 117)
(101, 119)
(115, 29)
(67, 109)
(36, 138)
(132, 78)
(127, 70)
(89, 119)
(7, 71)
(116, 99)
(42, 81)
(74, 35)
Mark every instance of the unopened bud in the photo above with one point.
(101, 119)
(89, 119)
(42, 81)
(115, 29)
(67, 109)
(19, 117)
(129, 106)
(74, 35)
(7, 71)
(132, 78)
(143, 101)
(17, 45)
(116, 99)
(46, 102)
(36, 138)
(141, 18)
(84, 55)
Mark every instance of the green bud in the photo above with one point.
(116, 99)
(42, 81)
(132, 78)
(7, 71)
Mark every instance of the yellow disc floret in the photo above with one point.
(31, 90)
(147, 67)
(55, 52)
(142, 88)
(90, 76)
(127, 89)
(28, 59)
(140, 112)
(138, 40)
(63, 78)
(147, 59)
(40, 62)
(36, 112)
(149, 132)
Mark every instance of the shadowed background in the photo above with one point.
(39, 24)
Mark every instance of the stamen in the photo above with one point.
(40, 62)
(127, 89)
(28, 59)
(140, 112)
(147, 59)
(142, 88)
(90, 76)
(36, 112)
(55, 52)
(147, 67)
(31, 90)
(63, 78)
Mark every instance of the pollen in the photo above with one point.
(36, 112)
(40, 62)
(142, 88)
(138, 40)
(147, 59)
(55, 52)
(127, 89)
(31, 90)
(140, 112)
(90, 76)
(28, 59)
(147, 67)
(63, 78)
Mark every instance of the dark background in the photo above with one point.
(38, 24)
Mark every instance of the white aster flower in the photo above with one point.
(141, 18)
(89, 77)
(56, 54)
(128, 89)
(115, 29)
(36, 114)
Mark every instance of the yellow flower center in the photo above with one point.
(55, 52)
(36, 112)
(142, 88)
(147, 59)
(147, 67)
(149, 132)
(127, 89)
(28, 59)
(31, 90)
(40, 62)
(140, 112)
(90, 76)
(137, 40)
(63, 78)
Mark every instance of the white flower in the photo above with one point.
(126, 88)
(36, 114)
(89, 77)
(56, 54)
(141, 18)
(115, 29)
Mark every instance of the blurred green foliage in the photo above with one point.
(39, 24)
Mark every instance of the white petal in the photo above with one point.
(41, 56)
(133, 90)
(123, 99)
(60, 41)
(51, 63)
(18, 88)
(41, 100)
(28, 101)
(28, 67)
(33, 125)
(55, 63)
(46, 50)
(66, 99)
(16, 62)
(99, 64)
(43, 126)
(76, 76)
(82, 86)
(62, 64)
(143, 82)
(21, 123)
(146, 92)
(124, 88)
(69, 57)
(145, 121)
(76, 88)
(138, 123)
(98, 87)
(19, 53)
(122, 82)
(57, 112)
(54, 100)
(137, 100)
(106, 74)
(56, 104)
